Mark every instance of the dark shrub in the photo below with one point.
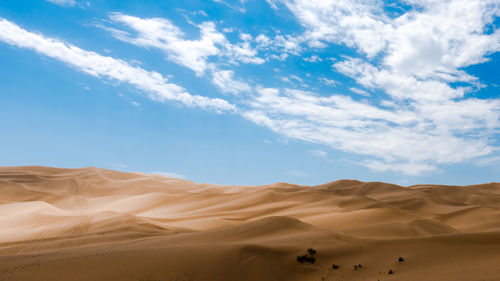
(311, 259)
(306, 258)
(390, 271)
(311, 251)
(401, 259)
(334, 266)
(302, 258)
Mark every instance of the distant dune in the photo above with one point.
(97, 224)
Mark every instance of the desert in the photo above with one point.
(98, 224)
(250, 140)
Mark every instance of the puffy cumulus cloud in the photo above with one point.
(449, 33)
(433, 41)
(152, 83)
(360, 24)
(445, 36)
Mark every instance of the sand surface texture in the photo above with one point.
(96, 224)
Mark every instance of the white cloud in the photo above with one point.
(162, 34)
(262, 40)
(272, 4)
(194, 54)
(403, 140)
(152, 83)
(318, 153)
(285, 79)
(245, 36)
(313, 58)
(412, 169)
(224, 80)
(396, 84)
(436, 39)
(63, 2)
(287, 44)
(359, 91)
(354, 23)
(447, 35)
(239, 9)
(489, 161)
(297, 78)
(200, 12)
(328, 82)
(243, 52)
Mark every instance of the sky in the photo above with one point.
(255, 91)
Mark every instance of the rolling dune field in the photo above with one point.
(97, 224)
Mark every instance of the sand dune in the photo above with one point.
(97, 224)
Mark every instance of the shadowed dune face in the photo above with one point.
(58, 222)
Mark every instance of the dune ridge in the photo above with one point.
(98, 224)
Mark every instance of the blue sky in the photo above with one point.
(255, 92)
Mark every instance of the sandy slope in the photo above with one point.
(96, 224)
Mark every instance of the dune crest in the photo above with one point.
(56, 223)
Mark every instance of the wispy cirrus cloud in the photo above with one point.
(153, 84)
(194, 54)
(162, 34)
(400, 139)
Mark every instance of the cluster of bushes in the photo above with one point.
(307, 257)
